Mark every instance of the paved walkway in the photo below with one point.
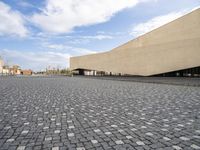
(183, 81)
(80, 113)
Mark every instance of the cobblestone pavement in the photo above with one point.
(183, 81)
(80, 113)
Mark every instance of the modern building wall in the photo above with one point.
(174, 46)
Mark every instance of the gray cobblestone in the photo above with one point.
(79, 113)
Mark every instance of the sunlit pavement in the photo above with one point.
(81, 113)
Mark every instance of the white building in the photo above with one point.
(5, 71)
(1, 65)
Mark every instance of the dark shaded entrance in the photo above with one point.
(190, 72)
(79, 72)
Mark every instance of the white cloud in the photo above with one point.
(88, 38)
(55, 46)
(12, 22)
(102, 36)
(93, 37)
(98, 37)
(156, 22)
(24, 4)
(63, 15)
(82, 51)
(36, 60)
(73, 51)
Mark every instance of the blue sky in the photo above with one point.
(36, 34)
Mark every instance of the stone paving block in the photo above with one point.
(72, 113)
(176, 147)
(184, 138)
(80, 148)
(21, 147)
(119, 142)
(140, 143)
(195, 146)
(55, 148)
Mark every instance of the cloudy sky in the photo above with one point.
(36, 34)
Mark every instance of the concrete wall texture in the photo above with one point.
(174, 46)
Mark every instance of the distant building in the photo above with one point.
(26, 72)
(1, 65)
(6, 70)
(15, 70)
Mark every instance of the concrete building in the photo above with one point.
(26, 72)
(16, 70)
(171, 50)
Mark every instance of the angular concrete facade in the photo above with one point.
(174, 46)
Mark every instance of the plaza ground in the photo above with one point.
(82, 113)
